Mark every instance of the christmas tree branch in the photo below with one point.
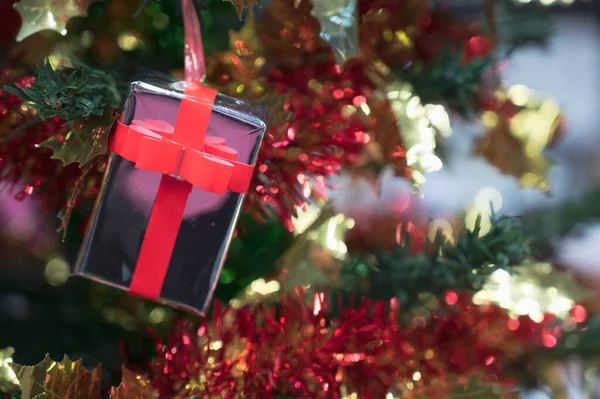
(446, 80)
(85, 99)
(69, 93)
(443, 266)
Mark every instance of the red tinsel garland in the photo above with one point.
(295, 350)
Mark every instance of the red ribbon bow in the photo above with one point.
(187, 158)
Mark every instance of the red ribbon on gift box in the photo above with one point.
(187, 158)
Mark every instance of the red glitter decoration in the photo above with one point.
(28, 169)
(296, 350)
(327, 131)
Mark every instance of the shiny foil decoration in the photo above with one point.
(339, 26)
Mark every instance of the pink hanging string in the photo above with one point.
(195, 66)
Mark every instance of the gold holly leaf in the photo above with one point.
(39, 15)
(240, 4)
(554, 290)
(32, 378)
(133, 386)
(518, 136)
(87, 139)
(65, 380)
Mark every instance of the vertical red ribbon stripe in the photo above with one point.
(171, 199)
(161, 234)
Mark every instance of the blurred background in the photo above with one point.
(565, 70)
(42, 311)
(32, 256)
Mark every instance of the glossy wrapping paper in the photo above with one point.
(120, 217)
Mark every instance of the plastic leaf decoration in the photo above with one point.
(85, 140)
(65, 380)
(69, 380)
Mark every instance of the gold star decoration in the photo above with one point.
(85, 140)
(40, 15)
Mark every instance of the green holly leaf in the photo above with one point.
(86, 139)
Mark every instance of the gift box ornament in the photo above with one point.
(183, 159)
